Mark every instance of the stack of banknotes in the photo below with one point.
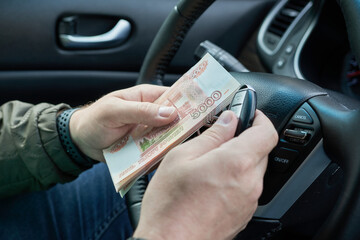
(202, 92)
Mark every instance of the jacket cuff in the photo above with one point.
(51, 141)
(36, 137)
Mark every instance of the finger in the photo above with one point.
(220, 132)
(261, 118)
(262, 166)
(262, 133)
(257, 141)
(251, 146)
(141, 93)
(144, 113)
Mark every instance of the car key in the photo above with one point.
(243, 105)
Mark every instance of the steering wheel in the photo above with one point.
(331, 140)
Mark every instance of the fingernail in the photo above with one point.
(225, 118)
(166, 111)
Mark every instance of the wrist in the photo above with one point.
(87, 134)
(75, 126)
(67, 141)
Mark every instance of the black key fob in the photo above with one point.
(244, 107)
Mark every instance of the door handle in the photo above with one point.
(117, 35)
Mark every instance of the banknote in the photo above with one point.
(197, 96)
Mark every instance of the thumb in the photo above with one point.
(146, 113)
(222, 131)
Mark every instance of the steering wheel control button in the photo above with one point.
(308, 131)
(281, 62)
(302, 116)
(281, 161)
(295, 134)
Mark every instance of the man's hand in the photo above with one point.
(98, 126)
(208, 188)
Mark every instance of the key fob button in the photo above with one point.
(236, 109)
(243, 105)
(238, 98)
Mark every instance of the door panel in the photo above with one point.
(29, 41)
(72, 87)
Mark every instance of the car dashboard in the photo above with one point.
(307, 39)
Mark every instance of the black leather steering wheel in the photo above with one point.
(279, 97)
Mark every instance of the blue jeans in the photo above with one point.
(86, 208)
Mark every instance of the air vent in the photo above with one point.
(286, 16)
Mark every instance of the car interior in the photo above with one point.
(301, 57)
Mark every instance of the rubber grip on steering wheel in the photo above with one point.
(169, 39)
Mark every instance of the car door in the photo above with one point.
(75, 51)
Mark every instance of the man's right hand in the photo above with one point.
(208, 187)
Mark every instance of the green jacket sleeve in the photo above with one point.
(31, 155)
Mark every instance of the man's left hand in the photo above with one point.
(99, 125)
